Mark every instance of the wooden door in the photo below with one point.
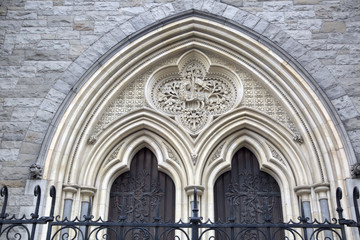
(255, 195)
(143, 193)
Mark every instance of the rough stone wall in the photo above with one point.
(46, 46)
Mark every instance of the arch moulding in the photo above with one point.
(268, 105)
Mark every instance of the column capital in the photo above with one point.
(87, 192)
(70, 190)
(303, 192)
(322, 189)
(190, 189)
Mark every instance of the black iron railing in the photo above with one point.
(88, 228)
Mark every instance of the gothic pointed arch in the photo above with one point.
(194, 90)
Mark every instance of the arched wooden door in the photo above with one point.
(255, 195)
(143, 193)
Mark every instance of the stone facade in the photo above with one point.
(47, 48)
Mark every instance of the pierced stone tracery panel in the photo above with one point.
(256, 96)
(130, 99)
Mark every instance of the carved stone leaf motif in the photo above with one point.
(216, 155)
(114, 154)
(275, 154)
(171, 153)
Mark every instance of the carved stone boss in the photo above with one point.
(194, 91)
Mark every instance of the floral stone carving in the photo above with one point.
(194, 91)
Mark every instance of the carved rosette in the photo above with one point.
(194, 91)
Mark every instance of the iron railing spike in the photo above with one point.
(339, 209)
(53, 199)
(37, 194)
(4, 193)
(356, 206)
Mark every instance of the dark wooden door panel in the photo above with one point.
(255, 195)
(143, 193)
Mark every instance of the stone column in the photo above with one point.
(322, 189)
(304, 193)
(69, 192)
(190, 192)
(86, 194)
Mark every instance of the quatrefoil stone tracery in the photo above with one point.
(195, 95)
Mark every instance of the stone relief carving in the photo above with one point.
(36, 171)
(92, 140)
(355, 170)
(173, 156)
(217, 153)
(194, 158)
(299, 139)
(276, 154)
(193, 91)
(129, 99)
(257, 97)
(114, 153)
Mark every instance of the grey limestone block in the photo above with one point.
(180, 6)
(271, 31)
(168, 9)
(240, 16)
(30, 148)
(158, 13)
(127, 28)
(8, 155)
(261, 26)
(251, 21)
(333, 27)
(230, 12)
(334, 92)
(235, 3)
(22, 114)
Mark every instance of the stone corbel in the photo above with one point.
(355, 170)
(36, 171)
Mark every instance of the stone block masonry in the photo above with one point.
(46, 46)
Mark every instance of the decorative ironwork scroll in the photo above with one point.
(196, 229)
